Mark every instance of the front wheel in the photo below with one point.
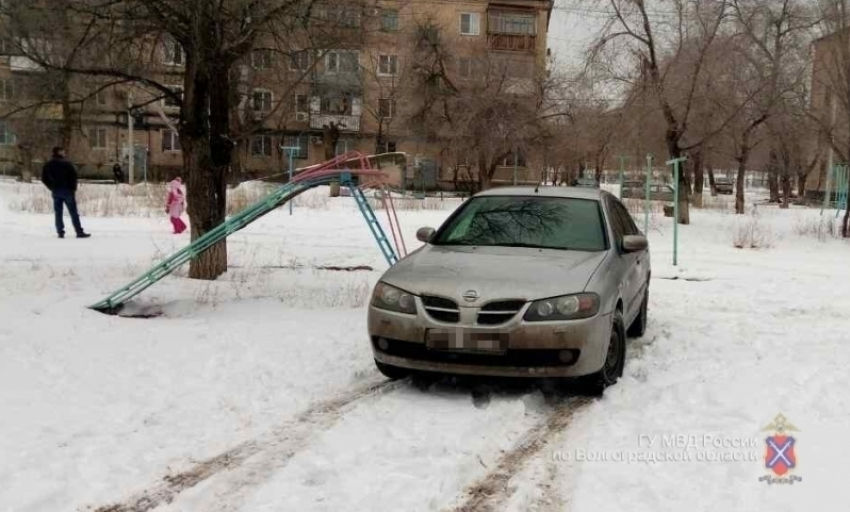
(392, 372)
(615, 359)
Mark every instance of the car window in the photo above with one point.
(622, 220)
(616, 221)
(526, 221)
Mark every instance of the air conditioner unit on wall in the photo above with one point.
(301, 116)
(317, 140)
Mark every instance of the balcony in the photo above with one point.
(512, 42)
(346, 123)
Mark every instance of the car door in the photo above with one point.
(626, 261)
(634, 274)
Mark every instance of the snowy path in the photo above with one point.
(258, 393)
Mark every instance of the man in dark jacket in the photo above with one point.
(118, 173)
(60, 177)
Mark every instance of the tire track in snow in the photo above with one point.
(282, 443)
(492, 489)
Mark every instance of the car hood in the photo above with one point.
(494, 272)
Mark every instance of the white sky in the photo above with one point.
(573, 25)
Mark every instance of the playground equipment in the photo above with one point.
(357, 180)
(839, 176)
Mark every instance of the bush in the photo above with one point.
(751, 234)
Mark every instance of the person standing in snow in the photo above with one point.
(175, 203)
(60, 177)
(118, 173)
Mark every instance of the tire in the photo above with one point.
(612, 368)
(638, 327)
(392, 372)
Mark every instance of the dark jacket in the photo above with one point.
(59, 174)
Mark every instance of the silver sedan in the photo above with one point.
(523, 281)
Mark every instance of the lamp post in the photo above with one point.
(130, 138)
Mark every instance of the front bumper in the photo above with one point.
(531, 349)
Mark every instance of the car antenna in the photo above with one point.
(537, 188)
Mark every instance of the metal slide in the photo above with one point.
(320, 176)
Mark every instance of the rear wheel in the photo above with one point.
(638, 327)
(392, 372)
(615, 359)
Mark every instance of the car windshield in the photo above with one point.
(522, 221)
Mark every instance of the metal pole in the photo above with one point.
(646, 201)
(675, 163)
(130, 138)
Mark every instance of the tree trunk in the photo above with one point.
(330, 134)
(699, 179)
(205, 158)
(773, 185)
(786, 191)
(743, 158)
(845, 229)
(711, 184)
(801, 186)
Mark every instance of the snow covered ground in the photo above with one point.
(257, 392)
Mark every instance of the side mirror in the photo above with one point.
(634, 243)
(425, 234)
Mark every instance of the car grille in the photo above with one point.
(513, 357)
(499, 312)
(440, 309)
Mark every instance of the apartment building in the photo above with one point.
(358, 94)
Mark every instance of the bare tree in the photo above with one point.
(125, 40)
(665, 36)
(495, 115)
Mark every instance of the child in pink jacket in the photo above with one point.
(175, 204)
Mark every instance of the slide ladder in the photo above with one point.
(372, 221)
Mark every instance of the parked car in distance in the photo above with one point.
(519, 282)
(586, 183)
(657, 191)
(724, 185)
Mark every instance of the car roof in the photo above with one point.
(566, 192)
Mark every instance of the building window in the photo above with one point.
(261, 145)
(174, 54)
(389, 20)
(302, 103)
(7, 137)
(512, 23)
(261, 100)
(470, 24)
(387, 65)
(464, 67)
(343, 146)
(299, 61)
(7, 89)
(175, 99)
(97, 138)
(261, 59)
(100, 97)
(342, 61)
(296, 141)
(386, 107)
(339, 104)
(170, 140)
(385, 147)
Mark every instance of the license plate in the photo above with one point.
(461, 340)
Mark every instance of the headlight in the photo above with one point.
(392, 299)
(567, 307)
